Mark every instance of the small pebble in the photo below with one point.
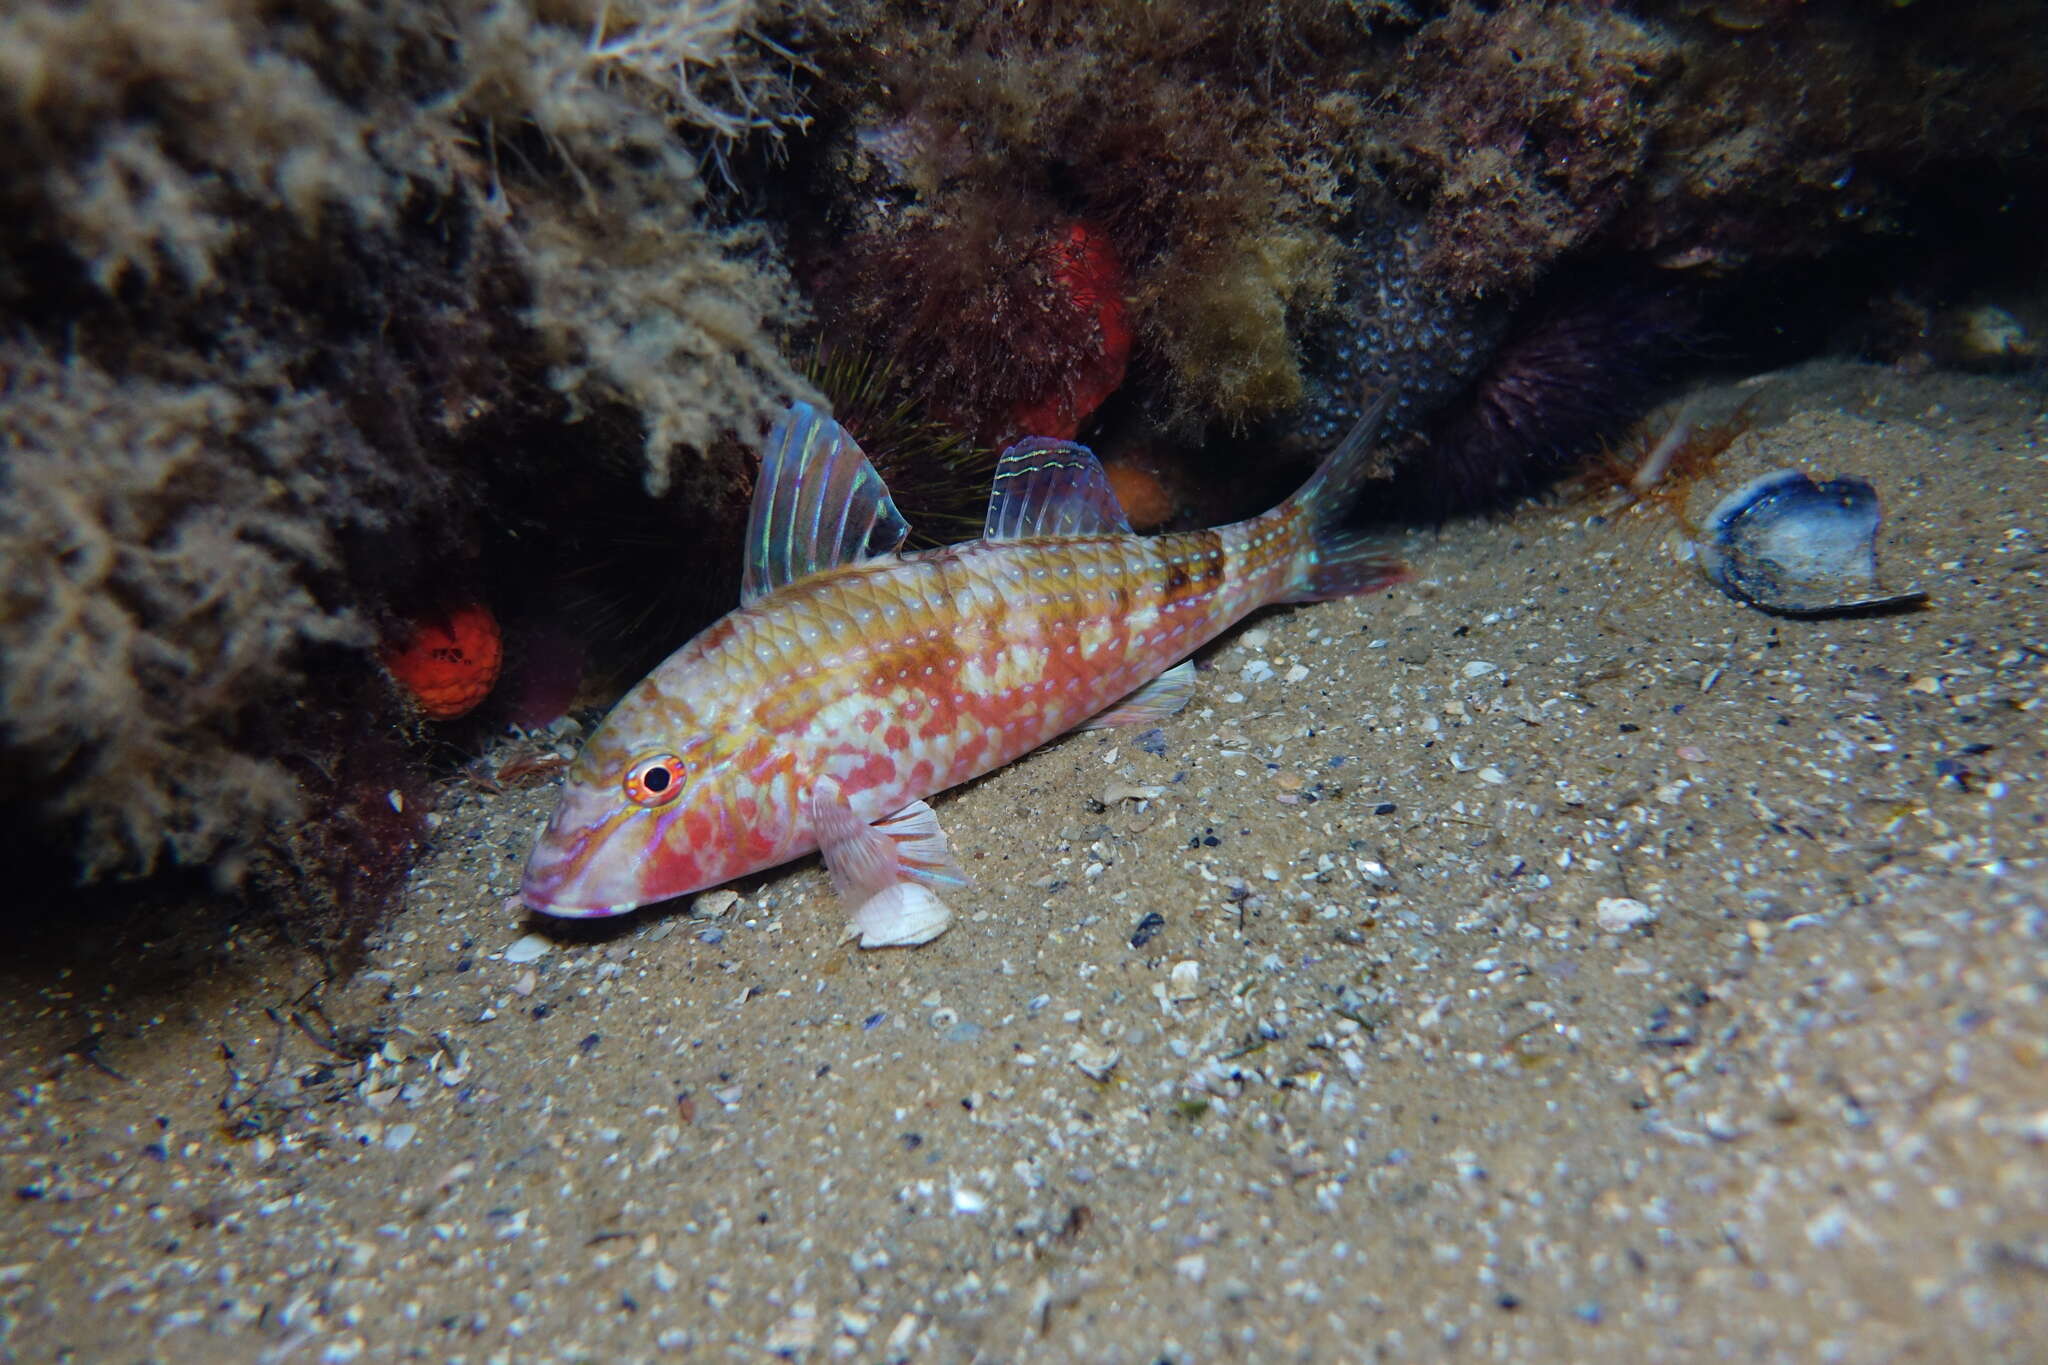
(531, 948)
(1619, 914)
(714, 904)
(794, 1334)
(1095, 1059)
(1825, 1228)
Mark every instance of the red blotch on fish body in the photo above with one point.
(1085, 270)
(875, 770)
(448, 663)
(941, 721)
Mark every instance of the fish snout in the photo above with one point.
(573, 872)
(559, 885)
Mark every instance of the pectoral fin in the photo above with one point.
(885, 872)
(1152, 703)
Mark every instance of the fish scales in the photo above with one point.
(820, 715)
(905, 679)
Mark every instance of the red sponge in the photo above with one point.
(448, 663)
(1085, 269)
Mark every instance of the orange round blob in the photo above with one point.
(1141, 492)
(448, 663)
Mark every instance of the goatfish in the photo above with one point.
(855, 680)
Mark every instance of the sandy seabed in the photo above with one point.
(1551, 959)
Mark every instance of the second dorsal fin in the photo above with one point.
(818, 504)
(1045, 487)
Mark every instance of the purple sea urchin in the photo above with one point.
(1576, 364)
(1492, 400)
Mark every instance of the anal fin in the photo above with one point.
(885, 872)
(1152, 703)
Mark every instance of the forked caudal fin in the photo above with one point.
(1343, 562)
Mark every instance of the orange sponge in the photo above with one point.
(448, 663)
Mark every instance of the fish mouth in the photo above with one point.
(557, 909)
(553, 887)
(565, 876)
(568, 883)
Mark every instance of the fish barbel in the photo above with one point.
(854, 681)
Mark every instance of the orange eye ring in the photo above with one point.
(655, 780)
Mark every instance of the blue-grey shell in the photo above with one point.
(1789, 545)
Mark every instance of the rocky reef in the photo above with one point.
(1523, 214)
(324, 322)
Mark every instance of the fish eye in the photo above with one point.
(655, 780)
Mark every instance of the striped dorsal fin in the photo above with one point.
(818, 504)
(1045, 487)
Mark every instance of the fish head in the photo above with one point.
(655, 806)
